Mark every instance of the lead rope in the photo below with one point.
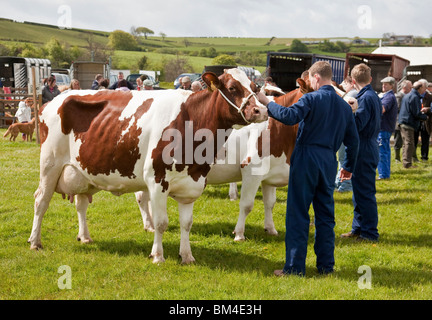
(245, 101)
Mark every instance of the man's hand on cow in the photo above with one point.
(345, 175)
(352, 103)
(263, 98)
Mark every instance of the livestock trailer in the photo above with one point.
(414, 73)
(382, 65)
(86, 71)
(16, 72)
(286, 67)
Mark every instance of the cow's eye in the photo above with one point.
(231, 89)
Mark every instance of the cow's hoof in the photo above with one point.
(271, 231)
(239, 237)
(157, 258)
(85, 240)
(36, 247)
(188, 260)
(149, 229)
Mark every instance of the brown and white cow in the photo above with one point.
(136, 141)
(246, 159)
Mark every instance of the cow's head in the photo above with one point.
(304, 83)
(238, 96)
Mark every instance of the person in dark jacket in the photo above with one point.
(325, 121)
(368, 122)
(50, 91)
(96, 82)
(388, 124)
(410, 116)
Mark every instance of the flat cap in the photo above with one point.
(388, 80)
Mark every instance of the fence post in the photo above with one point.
(36, 105)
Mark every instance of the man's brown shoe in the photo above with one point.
(279, 273)
(349, 235)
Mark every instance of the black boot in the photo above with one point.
(397, 155)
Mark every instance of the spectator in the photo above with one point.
(24, 112)
(122, 85)
(75, 85)
(196, 86)
(427, 103)
(148, 84)
(423, 132)
(115, 85)
(50, 90)
(409, 118)
(344, 186)
(325, 120)
(95, 84)
(186, 83)
(388, 123)
(103, 84)
(406, 88)
(368, 119)
(139, 83)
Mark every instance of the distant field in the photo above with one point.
(39, 34)
(154, 47)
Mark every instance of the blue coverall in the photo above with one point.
(325, 121)
(368, 120)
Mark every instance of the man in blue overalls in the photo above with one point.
(368, 120)
(325, 121)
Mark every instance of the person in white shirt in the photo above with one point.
(24, 112)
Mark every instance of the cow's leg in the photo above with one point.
(82, 202)
(185, 212)
(233, 191)
(269, 198)
(143, 200)
(247, 198)
(48, 181)
(158, 201)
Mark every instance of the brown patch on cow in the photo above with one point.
(95, 120)
(282, 137)
(43, 132)
(200, 109)
(205, 109)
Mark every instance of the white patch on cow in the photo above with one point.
(241, 77)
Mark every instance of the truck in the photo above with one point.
(16, 72)
(382, 65)
(286, 67)
(85, 72)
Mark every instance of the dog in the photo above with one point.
(16, 128)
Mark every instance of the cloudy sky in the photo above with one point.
(233, 18)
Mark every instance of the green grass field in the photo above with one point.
(116, 265)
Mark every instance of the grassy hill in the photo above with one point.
(155, 48)
(39, 34)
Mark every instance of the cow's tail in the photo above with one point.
(7, 132)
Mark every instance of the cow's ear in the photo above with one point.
(302, 83)
(211, 80)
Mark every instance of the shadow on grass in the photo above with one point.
(221, 192)
(215, 258)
